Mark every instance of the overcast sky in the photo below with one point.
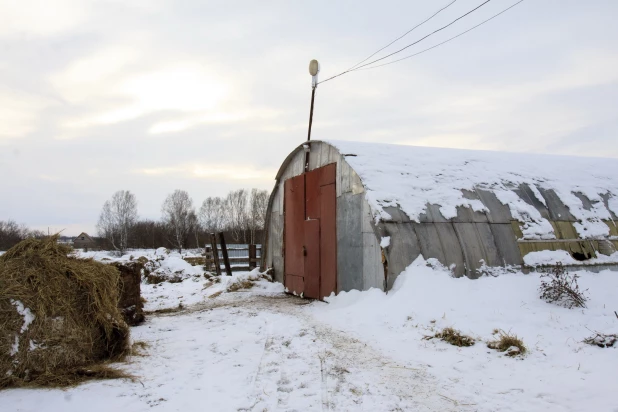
(209, 96)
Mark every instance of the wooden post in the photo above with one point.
(215, 253)
(226, 259)
(252, 256)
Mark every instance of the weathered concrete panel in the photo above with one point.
(429, 241)
(605, 198)
(472, 248)
(434, 215)
(490, 249)
(586, 203)
(467, 214)
(346, 170)
(498, 212)
(367, 221)
(525, 192)
(557, 210)
(397, 215)
(276, 227)
(277, 265)
(349, 242)
(373, 271)
(451, 247)
(507, 244)
(404, 248)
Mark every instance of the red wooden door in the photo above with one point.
(294, 210)
(312, 259)
(310, 233)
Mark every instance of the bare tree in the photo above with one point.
(258, 204)
(11, 233)
(117, 218)
(212, 214)
(179, 217)
(236, 205)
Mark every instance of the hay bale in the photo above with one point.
(130, 302)
(58, 315)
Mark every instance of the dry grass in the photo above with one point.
(76, 321)
(73, 377)
(506, 342)
(240, 284)
(452, 336)
(216, 294)
(602, 340)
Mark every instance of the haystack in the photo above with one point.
(59, 316)
(130, 299)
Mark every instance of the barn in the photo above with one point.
(84, 241)
(349, 215)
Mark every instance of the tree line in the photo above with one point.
(240, 214)
(11, 233)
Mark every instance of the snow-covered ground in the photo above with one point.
(259, 349)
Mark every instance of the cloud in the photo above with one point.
(155, 95)
(210, 171)
(40, 17)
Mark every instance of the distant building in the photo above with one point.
(84, 241)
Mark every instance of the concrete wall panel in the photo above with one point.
(429, 241)
(498, 212)
(507, 244)
(349, 242)
(451, 247)
(404, 248)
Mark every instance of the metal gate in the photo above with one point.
(310, 233)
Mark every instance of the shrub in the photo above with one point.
(508, 343)
(558, 286)
(452, 336)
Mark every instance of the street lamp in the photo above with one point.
(314, 69)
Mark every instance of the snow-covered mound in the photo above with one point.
(559, 371)
(410, 178)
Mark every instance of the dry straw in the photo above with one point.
(59, 317)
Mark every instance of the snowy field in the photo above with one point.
(259, 349)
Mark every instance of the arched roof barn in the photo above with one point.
(360, 213)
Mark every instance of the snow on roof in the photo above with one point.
(411, 177)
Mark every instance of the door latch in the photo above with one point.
(304, 251)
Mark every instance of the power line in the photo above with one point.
(404, 35)
(409, 45)
(446, 41)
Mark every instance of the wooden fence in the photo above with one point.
(231, 258)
